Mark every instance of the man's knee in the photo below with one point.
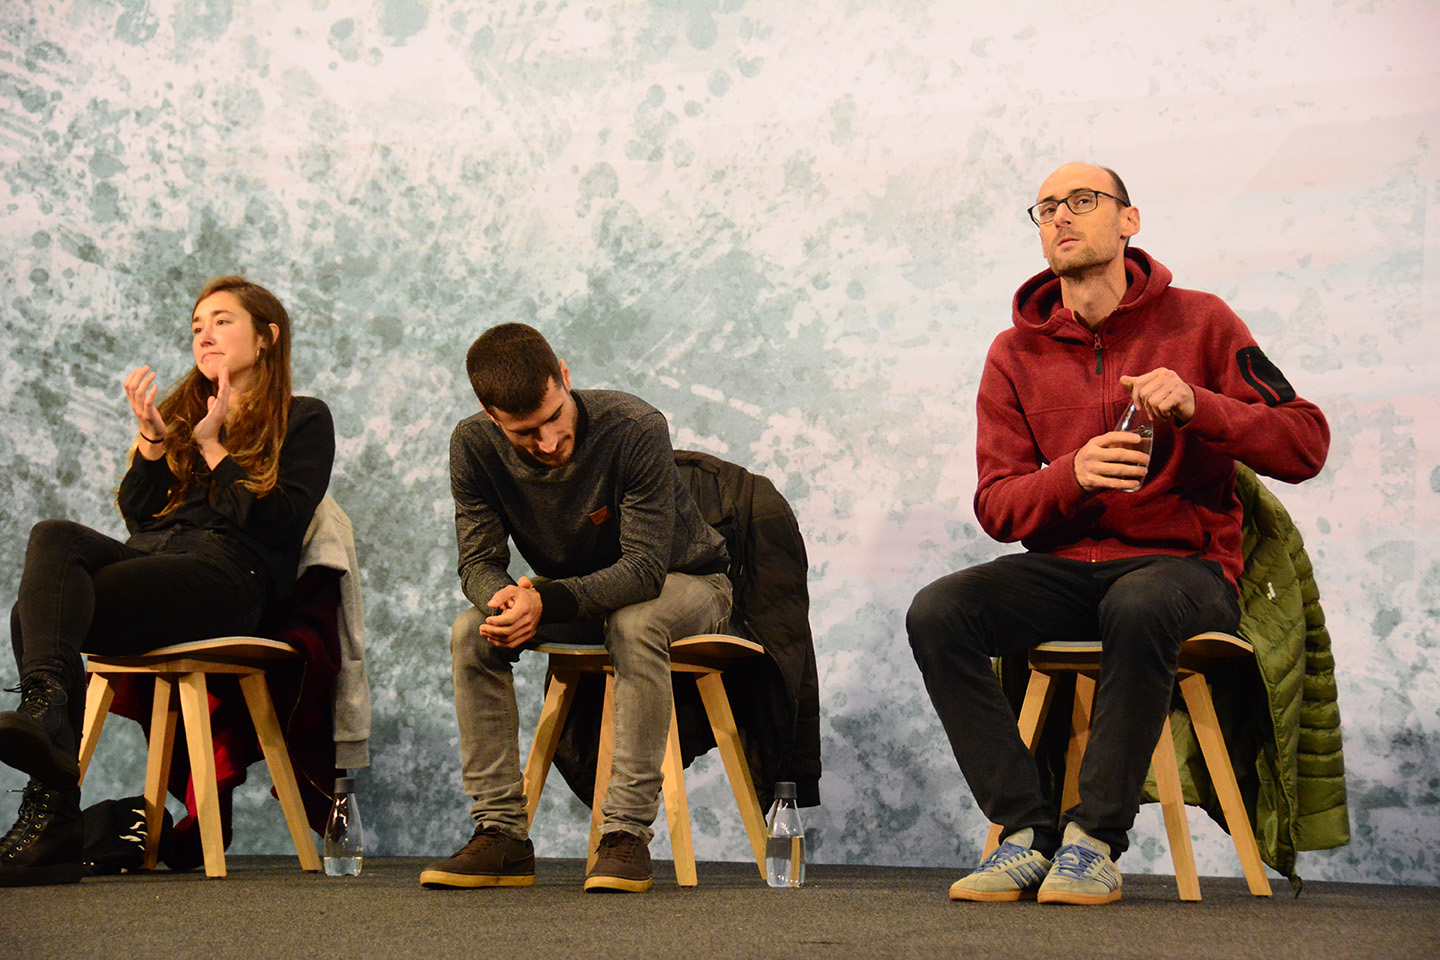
(466, 629)
(929, 608)
(938, 613)
(637, 625)
(469, 649)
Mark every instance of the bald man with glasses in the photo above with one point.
(1135, 549)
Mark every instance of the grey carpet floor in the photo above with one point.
(267, 908)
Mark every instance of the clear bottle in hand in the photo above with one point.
(1135, 420)
(784, 840)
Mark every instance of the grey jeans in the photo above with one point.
(638, 638)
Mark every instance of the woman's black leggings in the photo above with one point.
(84, 591)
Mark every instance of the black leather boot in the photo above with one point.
(44, 845)
(40, 737)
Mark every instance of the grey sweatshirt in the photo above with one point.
(603, 529)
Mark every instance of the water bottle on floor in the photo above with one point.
(344, 838)
(784, 840)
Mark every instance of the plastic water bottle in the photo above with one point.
(344, 838)
(785, 840)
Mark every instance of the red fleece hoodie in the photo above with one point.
(1050, 385)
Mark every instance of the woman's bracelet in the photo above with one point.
(148, 440)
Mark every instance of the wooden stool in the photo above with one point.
(180, 670)
(1082, 658)
(705, 656)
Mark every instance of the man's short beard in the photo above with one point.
(1090, 261)
(1079, 268)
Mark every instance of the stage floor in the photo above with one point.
(267, 909)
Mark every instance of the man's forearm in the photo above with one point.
(634, 578)
(481, 581)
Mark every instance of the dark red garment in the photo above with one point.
(1051, 384)
(303, 693)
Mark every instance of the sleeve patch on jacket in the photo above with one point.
(1264, 376)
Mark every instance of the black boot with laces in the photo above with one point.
(44, 845)
(40, 737)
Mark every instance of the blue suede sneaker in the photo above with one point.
(1013, 872)
(1083, 872)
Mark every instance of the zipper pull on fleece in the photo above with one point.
(1099, 357)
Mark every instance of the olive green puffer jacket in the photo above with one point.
(1279, 713)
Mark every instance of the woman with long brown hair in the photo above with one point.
(225, 474)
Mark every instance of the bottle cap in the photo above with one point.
(785, 790)
(344, 785)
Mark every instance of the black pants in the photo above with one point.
(83, 590)
(1139, 609)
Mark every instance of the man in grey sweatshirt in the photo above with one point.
(584, 482)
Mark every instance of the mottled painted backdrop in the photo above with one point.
(793, 226)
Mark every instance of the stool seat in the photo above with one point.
(703, 655)
(1085, 654)
(1082, 658)
(705, 649)
(180, 672)
(219, 649)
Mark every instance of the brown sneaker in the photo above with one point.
(622, 865)
(490, 859)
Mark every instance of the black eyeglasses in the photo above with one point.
(1080, 203)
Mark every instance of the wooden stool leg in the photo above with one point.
(277, 758)
(1172, 804)
(1222, 775)
(99, 694)
(161, 749)
(558, 698)
(1079, 739)
(603, 760)
(1038, 694)
(677, 807)
(195, 705)
(727, 739)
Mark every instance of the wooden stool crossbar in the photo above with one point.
(1081, 658)
(179, 672)
(705, 656)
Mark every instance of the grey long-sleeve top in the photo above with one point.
(602, 530)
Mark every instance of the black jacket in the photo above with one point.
(776, 698)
